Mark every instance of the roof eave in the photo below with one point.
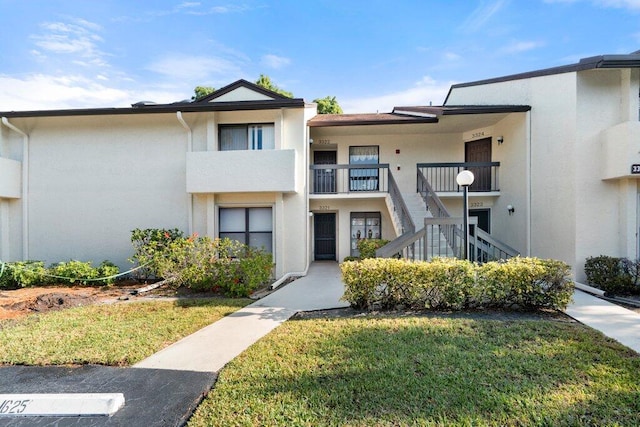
(165, 108)
(591, 63)
(333, 123)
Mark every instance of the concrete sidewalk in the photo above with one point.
(614, 321)
(212, 347)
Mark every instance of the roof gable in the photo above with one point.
(241, 90)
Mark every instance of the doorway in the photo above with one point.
(324, 180)
(484, 220)
(479, 152)
(324, 236)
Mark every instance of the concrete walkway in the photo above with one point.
(212, 347)
(612, 320)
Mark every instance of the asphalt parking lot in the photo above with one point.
(153, 397)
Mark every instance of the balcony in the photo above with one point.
(620, 151)
(349, 179)
(241, 171)
(442, 176)
(10, 178)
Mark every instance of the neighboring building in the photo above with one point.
(556, 155)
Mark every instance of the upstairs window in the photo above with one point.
(247, 137)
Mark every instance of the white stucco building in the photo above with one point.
(555, 153)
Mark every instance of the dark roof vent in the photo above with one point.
(143, 104)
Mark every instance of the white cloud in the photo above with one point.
(275, 62)
(195, 68)
(190, 8)
(618, 4)
(422, 93)
(521, 46)
(451, 56)
(77, 38)
(482, 14)
(45, 92)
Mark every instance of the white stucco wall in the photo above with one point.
(94, 179)
(11, 248)
(10, 178)
(605, 220)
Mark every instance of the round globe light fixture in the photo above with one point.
(465, 178)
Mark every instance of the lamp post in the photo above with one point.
(465, 179)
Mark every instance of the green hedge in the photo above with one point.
(449, 283)
(23, 274)
(613, 275)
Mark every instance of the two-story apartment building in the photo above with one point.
(74, 183)
(555, 154)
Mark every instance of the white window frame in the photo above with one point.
(247, 232)
(256, 136)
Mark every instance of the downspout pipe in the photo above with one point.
(285, 277)
(25, 187)
(528, 178)
(189, 149)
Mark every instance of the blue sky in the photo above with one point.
(372, 55)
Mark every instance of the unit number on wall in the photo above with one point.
(476, 204)
(324, 207)
(635, 168)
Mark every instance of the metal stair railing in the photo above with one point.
(431, 199)
(483, 247)
(487, 248)
(400, 207)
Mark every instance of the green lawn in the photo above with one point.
(115, 334)
(397, 371)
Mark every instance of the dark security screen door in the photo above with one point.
(484, 222)
(324, 180)
(324, 230)
(479, 152)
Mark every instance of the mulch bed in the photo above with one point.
(503, 315)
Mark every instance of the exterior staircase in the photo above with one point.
(436, 245)
(426, 230)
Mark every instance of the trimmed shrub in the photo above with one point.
(149, 248)
(368, 247)
(449, 283)
(22, 274)
(525, 283)
(202, 263)
(389, 282)
(33, 273)
(107, 269)
(612, 275)
(72, 271)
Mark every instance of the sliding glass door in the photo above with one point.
(363, 179)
